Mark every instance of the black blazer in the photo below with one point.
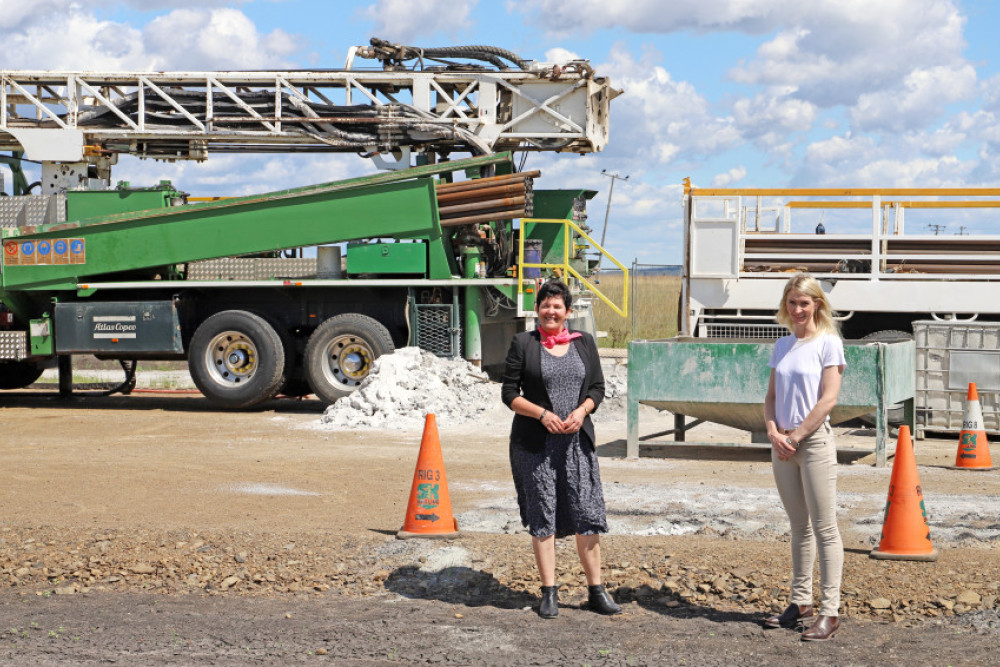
(522, 376)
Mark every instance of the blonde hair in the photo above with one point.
(804, 283)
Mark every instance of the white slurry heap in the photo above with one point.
(408, 384)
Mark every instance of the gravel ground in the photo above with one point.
(153, 529)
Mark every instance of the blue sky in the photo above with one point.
(765, 93)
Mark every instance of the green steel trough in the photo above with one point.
(725, 381)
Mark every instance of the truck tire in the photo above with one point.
(237, 359)
(341, 352)
(18, 374)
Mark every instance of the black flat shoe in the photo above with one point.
(600, 602)
(549, 608)
(790, 617)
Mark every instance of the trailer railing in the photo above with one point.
(565, 267)
(737, 232)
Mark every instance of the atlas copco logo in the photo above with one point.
(115, 327)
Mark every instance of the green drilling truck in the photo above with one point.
(296, 291)
(407, 257)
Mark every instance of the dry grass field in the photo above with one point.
(652, 309)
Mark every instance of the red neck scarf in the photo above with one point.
(561, 338)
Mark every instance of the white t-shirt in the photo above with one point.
(798, 374)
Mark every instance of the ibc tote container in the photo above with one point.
(950, 355)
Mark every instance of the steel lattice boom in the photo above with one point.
(75, 116)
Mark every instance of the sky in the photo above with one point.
(748, 93)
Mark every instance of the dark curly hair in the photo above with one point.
(554, 288)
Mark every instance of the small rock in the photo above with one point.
(143, 568)
(879, 603)
(459, 616)
(229, 582)
(321, 651)
(968, 598)
(741, 573)
(65, 590)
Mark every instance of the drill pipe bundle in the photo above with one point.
(484, 200)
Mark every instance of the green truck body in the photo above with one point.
(122, 274)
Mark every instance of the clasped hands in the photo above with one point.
(779, 442)
(572, 423)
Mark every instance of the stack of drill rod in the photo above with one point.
(480, 200)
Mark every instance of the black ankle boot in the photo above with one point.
(600, 602)
(549, 608)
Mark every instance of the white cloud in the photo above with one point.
(17, 13)
(62, 35)
(561, 56)
(409, 21)
(73, 40)
(237, 175)
(734, 175)
(922, 97)
(766, 113)
(658, 118)
(858, 160)
(214, 39)
(826, 52)
(655, 16)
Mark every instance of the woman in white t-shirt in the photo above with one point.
(806, 370)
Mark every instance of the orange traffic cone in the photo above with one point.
(973, 448)
(905, 533)
(428, 513)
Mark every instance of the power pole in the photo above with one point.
(961, 231)
(937, 229)
(611, 191)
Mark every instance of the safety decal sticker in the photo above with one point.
(11, 253)
(45, 252)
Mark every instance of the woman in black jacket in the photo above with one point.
(553, 382)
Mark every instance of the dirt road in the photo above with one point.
(154, 529)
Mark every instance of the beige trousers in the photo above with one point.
(807, 484)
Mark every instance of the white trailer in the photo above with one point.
(741, 245)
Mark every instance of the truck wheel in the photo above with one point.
(18, 374)
(340, 354)
(237, 359)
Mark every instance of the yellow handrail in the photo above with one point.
(565, 265)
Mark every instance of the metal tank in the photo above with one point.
(725, 381)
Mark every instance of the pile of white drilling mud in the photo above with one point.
(405, 386)
(410, 383)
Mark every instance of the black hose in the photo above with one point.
(126, 386)
(387, 51)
